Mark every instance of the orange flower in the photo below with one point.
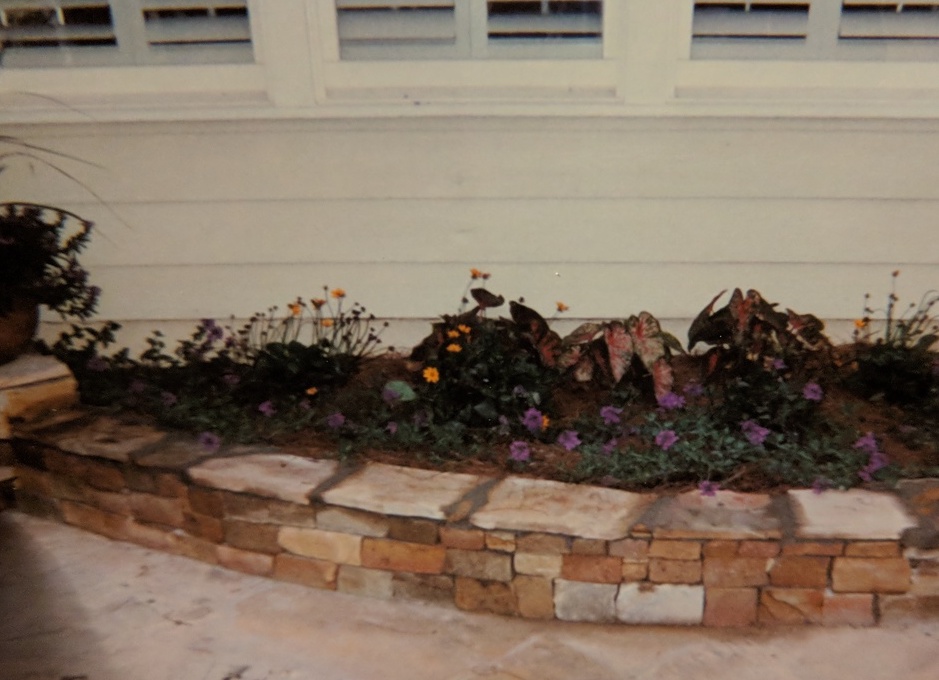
(431, 374)
(478, 274)
(317, 302)
(453, 334)
(861, 323)
(337, 293)
(311, 391)
(545, 422)
(562, 307)
(295, 308)
(327, 323)
(453, 347)
(463, 328)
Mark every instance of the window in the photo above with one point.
(55, 33)
(469, 29)
(816, 29)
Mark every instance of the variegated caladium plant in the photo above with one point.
(748, 330)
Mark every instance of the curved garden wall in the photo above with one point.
(513, 546)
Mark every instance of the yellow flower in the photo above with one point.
(311, 391)
(562, 307)
(463, 328)
(337, 293)
(431, 374)
(453, 334)
(295, 308)
(453, 347)
(317, 302)
(545, 422)
(860, 323)
(327, 323)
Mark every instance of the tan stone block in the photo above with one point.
(157, 509)
(790, 606)
(821, 548)
(735, 572)
(925, 580)
(549, 544)
(635, 571)
(365, 582)
(305, 571)
(588, 546)
(168, 484)
(428, 587)
(631, 549)
(674, 571)
(252, 536)
(203, 526)
(149, 536)
(592, 569)
(532, 564)
(206, 501)
(758, 549)
(479, 564)
(412, 530)
(872, 549)
(94, 520)
(245, 561)
(98, 474)
(848, 609)
(720, 548)
(895, 608)
(799, 571)
(675, 550)
(330, 546)
(40, 483)
(381, 553)
(870, 575)
(500, 541)
(535, 597)
(347, 521)
(464, 539)
(730, 607)
(267, 510)
(193, 547)
(479, 596)
(109, 501)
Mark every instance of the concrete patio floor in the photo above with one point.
(77, 606)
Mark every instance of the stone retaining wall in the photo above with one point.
(513, 546)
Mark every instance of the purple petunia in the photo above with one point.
(693, 389)
(391, 427)
(266, 408)
(755, 433)
(779, 365)
(390, 395)
(231, 379)
(610, 414)
(569, 439)
(210, 441)
(532, 419)
(671, 401)
(812, 391)
(335, 420)
(877, 459)
(820, 485)
(610, 447)
(137, 386)
(708, 488)
(519, 451)
(867, 444)
(169, 399)
(666, 439)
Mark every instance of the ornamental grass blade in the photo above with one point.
(485, 299)
(619, 344)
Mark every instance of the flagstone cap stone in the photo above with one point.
(405, 492)
(31, 368)
(176, 455)
(725, 515)
(109, 438)
(853, 514)
(289, 478)
(523, 504)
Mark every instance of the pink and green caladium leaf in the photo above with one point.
(705, 327)
(534, 328)
(581, 335)
(485, 299)
(649, 344)
(570, 356)
(583, 371)
(662, 377)
(619, 344)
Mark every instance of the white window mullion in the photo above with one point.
(131, 31)
(472, 21)
(824, 21)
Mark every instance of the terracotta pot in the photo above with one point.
(17, 329)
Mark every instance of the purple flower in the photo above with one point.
(97, 364)
(569, 439)
(754, 433)
(267, 408)
(671, 401)
(305, 405)
(610, 446)
(812, 391)
(212, 330)
(231, 379)
(519, 391)
(503, 427)
(610, 414)
(421, 419)
(779, 365)
(867, 443)
(665, 439)
(708, 488)
(335, 420)
(820, 484)
(693, 389)
(136, 386)
(169, 399)
(392, 427)
(390, 395)
(210, 441)
(532, 420)
(519, 451)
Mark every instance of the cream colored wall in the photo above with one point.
(609, 215)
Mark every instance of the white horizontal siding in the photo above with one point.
(610, 216)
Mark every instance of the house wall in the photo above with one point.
(610, 215)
